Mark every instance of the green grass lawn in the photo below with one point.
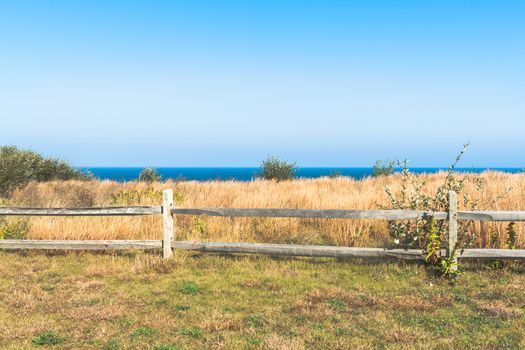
(197, 301)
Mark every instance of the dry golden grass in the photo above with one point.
(323, 193)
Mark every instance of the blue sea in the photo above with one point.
(248, 174)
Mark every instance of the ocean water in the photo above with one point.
(248, 174)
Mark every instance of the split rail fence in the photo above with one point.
(167, 244)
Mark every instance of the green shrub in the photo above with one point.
(415, 233)
(19, 167)
(425, 233)
(14, 228)
(383, 168)
(273, 168)
(150, 175)
(47, 338)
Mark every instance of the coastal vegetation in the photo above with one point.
(383, 168)
(29, 179)
(273, 168)
(194, 300)
(323, 193)
(149, 175)
(19, 167)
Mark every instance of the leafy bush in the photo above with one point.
(150, 175)
(383, 168)
(14, 228)
(19, 167)
(424, 233)
(272, 168)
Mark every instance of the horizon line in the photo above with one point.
(299, 167)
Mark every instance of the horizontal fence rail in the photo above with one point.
(492, 215)
(266, 212)
(256, 248)
(351, 214)
(473, 253)
(167, 244)
(299, 250)
(312, 214)
(80, 244)
(102, 211)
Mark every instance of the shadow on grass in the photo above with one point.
(470, 265)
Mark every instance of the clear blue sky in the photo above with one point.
(225, 83)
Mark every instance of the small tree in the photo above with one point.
(383, 168)
(149, 175)
(272, 168)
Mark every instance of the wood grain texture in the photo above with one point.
(311, 213)
(512, 254)
(492, 215)
(80, 244)
(266, 212)
(452, 227)
(452, 223)
(102, 211)
(298, 250)
(167, 223)
(256, 248)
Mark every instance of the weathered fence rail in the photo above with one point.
(267, 212)
(167, 244)
(103, 211)
(254, 248)
(79, 244)
(312, 214)
(492, 215)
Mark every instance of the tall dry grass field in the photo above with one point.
(323, 193)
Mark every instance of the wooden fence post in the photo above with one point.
(452, 222)
(167, 222)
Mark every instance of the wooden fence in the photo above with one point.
(168, 211)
